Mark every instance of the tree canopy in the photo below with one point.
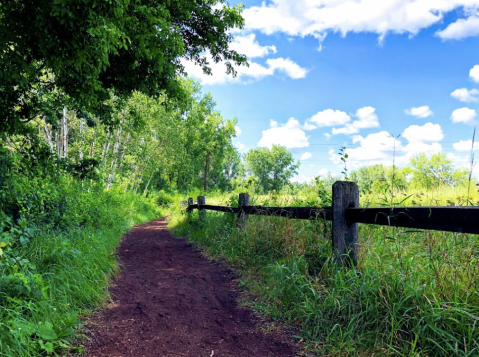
(435, 170)
(84, 52)
(271, 167)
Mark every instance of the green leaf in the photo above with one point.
(48, 347)
(47, 332)
(25, 327)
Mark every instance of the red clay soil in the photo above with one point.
(169, 300)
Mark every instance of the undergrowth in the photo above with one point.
(58, 237)
(414, 293)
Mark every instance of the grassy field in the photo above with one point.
(414, 293)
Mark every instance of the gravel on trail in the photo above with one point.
(169, 300)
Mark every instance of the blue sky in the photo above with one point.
(330, 73)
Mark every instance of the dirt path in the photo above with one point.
(171, 301)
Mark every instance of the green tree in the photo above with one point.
(366, 176)
(435, 170)
(271, 167)
(231, 168)
(83, 52)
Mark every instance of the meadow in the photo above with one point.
(413, 293)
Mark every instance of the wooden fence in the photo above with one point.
(345, 215)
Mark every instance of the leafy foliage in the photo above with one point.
(436, 170)
(56, 239)
(83, 52)
(271, 167)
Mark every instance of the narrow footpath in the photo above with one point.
(169, 300)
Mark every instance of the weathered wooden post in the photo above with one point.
(201, 200)
(345, 234)
(243, 200)
(190, 203)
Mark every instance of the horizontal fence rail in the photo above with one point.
(345, 215)
(448, 219)
(288, 212)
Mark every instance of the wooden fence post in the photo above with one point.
(345, 234)
(190, 203)
(201, 200)
(243, 200)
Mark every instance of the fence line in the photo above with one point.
(345, 215)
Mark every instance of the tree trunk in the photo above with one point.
(148, 184)
(48, 135)
(65, 133)
(206, 172)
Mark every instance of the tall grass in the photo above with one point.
(414, 293)
(63, 271)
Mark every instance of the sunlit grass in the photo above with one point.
(64, 272)
(414, 293)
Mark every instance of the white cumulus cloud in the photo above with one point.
(376, 148)
(323, 172)
(423, 138)
(248, 46)
(239, 146)
(289, 135)
(474, 73)
(306, 156)
(287, 66)
(460, 29)
(367, 118)
(465, 95)
(328, 117)
(420, 112)
(254, 72)
(427, 133)
(464, 145)
(237, 130)
(383, 148)
(464, 115)
(318, 17)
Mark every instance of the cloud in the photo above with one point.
(463, 161)
(382, 148)
(318, 17)
(237, 130)
(374, 148)
(474, 73)
(464, 145)
(465, 95)
(291, 69)
(427, 133)
(289, 135)
(327, 117)
(422, 139)
(239, 145)
(323, 172)
(306, 156)
(248, 46)
(420, 112)
(460, 29)
(367, 118)
(245, 75)
(464, 115)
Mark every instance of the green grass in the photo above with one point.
(63, 271)
(414, 293)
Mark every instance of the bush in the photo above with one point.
(57, 236)
(165, 199)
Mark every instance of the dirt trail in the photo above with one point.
(170, 301)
